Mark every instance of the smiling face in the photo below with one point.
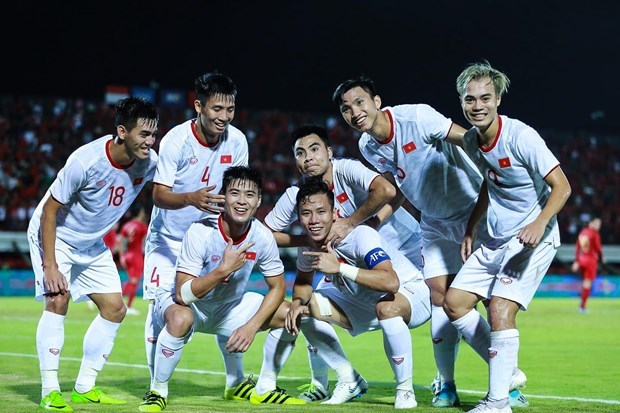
(311, 156)
(359, 109)
(480, 103)
(242, 199)
(215, 115)
(316, 215)
(140, 139)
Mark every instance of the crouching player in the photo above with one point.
(209, 294)
(371, 285)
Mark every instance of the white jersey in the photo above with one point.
(435, 176)
(351, 184)
(514, 167)
(203, 249)
(95, 193)
(363, 248)
(186, 164)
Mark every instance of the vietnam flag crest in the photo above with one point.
(504, 162)
(343, 197)
(410, 147)
(250, 255)
(226, 159)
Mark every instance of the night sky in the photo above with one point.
(563, 60)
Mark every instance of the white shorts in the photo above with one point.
(363, 314)
(87, 271)
(441, 244)
(160, 264)
(511, 271)
(221, 320)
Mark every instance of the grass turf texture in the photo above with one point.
(571, 360)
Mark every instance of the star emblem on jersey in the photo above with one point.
(226, 159)
(343, 197)
(504, 162)
(409, 147)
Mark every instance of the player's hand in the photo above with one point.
(293, 317)
(206, 201)
(326, 262)
(575, 267)
(241, 339)
(340, 229)
(467, 245)
(54, 281)
(531, 234)
(233, 259)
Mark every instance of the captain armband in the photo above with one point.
(187, 295)
(348, 271)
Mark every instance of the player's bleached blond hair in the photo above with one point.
(475, 71)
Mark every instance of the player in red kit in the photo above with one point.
(588, 253)
(131, 250)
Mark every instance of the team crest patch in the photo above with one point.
(138, 181)
(492, 353)
(167, 352)
(193, 160)
(505, 280)
(152, 340)
(226, 159)
(398, 360)
(382, 161)
(100, 183)
(410, 147)
(504, 162)
(343, 197)
(250, 255)
(54, 351)
(215, 258)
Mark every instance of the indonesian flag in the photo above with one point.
(226, 159)
(343, 197)
(410, 147)
(504, 162)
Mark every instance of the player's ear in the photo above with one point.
(260, 199)
(121, 132)
(377, 100)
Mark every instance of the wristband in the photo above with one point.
(348, 271)
(187, 295)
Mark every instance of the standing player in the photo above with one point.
(523, 190)
(90, 194)
(131, 251)
(192, 159)
(209, 294)
(362, 196)
(588, 253)
(372, 285)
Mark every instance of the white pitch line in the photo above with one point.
(142, 366)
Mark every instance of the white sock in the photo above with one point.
(322, 336)
(50, 340)
(167, 356)
(502, 357)
(151, 332)
(98, 344)
(276, 350)
(233, 363)
(476, 332)
(445, 338)
(398, 349)
(318, 368)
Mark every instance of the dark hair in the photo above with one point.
(309, 129)
(362, 81)
(130, 110)
(211, 84)
(242, 173)
(314, 186)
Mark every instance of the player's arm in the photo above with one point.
(241, 339)
(203, 199)
(55, 281)
(467, 245)
(533, 232)
(302, 293)
(381, 277)
(190, 288)
(455, 135)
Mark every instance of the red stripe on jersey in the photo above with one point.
(342, 197)
(410, 147)
(250, 255)
(504, 162)
(226, 159)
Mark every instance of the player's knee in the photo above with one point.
(180, 322)
(388, 308)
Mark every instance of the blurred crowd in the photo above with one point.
(38, 134)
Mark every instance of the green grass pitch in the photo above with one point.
(572, 362)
